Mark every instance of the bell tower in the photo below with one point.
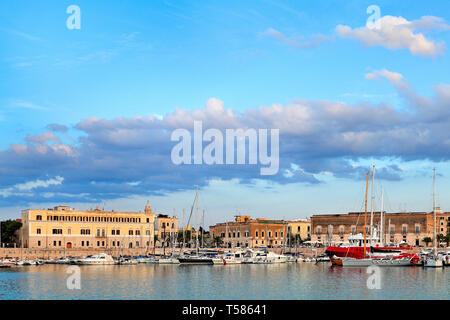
(148, 209)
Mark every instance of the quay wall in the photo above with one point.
(26, 253)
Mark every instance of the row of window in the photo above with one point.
(91, 219)
(247, 234)
(88, 244)
(392, 229)
(100, 231)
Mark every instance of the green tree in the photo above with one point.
(427, 240)
(218, 241)
(8, 230)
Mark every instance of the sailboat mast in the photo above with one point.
(365, 212)
(371, 206)
(382, 220)
(196, 218)
(434, 211)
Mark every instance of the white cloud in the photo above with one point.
(397, 33)
(22, 188)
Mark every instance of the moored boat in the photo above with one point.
(97, 259)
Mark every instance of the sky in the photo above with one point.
(86, 114)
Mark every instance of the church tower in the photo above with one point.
(148, 209)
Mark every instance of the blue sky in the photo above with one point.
(140, 58)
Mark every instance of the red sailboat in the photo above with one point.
(358, 248)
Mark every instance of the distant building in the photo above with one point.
(166, 228)
(247, 232)
(65, 227)
(409, 227)
(300, 227)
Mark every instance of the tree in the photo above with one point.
(440, 238)
(8, 230)
(427, 240)
(447, 239)
(218, 241)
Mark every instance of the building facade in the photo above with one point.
(409, 227)
(247, 232)
(65, 227)
(300, 228)
(166, 229)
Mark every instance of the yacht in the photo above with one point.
(96, 259)
(270, 257)
(168, 260)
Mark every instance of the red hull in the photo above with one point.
(358, 253)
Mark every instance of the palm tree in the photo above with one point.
(218, 241)
(427, 240)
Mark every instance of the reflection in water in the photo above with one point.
(276, 281)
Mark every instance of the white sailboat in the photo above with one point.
(433, 261)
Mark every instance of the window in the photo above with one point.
(113, 232)
(54, 243)
(417, 229)
(56, 231)
(82, 243)
(276, 234)
(147, 232)
(39, 243)
(118, 232)
(138, 232)
(130, 232)
(39, 217)
(404, 229)
(69, 231)
(256, 234)
(38, 231)
(262, 234)
(59, 243)
(298, 229)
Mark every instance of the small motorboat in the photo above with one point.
(96, 259)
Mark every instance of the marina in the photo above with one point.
(241, 281)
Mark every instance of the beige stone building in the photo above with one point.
(301, 227)
(409, 227)
(247, 232)
(166, 228)
(68, 228)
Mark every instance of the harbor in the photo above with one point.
(245, 281)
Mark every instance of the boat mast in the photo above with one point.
(365, 213)
(434, 211)
(371, 207)
(196, 219)
(381, 219)
(203, 225)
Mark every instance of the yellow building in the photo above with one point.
(166, 228)
(65, 227)
(300, 227)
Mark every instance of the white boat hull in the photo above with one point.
(433, 263)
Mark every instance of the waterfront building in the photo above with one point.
(66, 228)
(248, 232)
(401, 227)
(166, 229)
(300, 227)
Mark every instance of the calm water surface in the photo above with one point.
(278, 281)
